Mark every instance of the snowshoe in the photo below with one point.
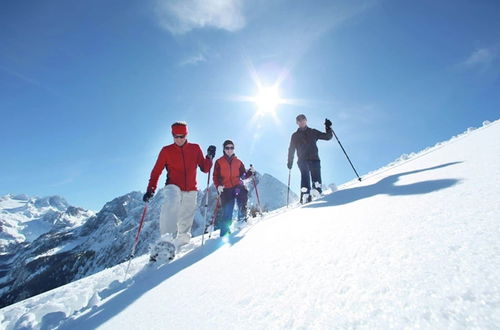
(163, 251)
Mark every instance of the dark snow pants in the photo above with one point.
(310, 170)
(228, 196)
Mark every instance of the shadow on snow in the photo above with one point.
(387, 186)
(142, 282)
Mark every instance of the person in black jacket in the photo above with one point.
(304, 141)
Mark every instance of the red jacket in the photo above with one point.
(229, 172)
(180, 163)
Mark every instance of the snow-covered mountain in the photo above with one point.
(273, 196)
(68, 243)
(414, 245)
(24, 218)
(23, 221)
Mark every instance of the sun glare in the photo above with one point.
(267, 100)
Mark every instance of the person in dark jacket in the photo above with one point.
(229, 173)
(304, 142)
(181, 160)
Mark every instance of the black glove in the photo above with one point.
(289, 165)
(211, 152)
(147, 196)
(328, 124)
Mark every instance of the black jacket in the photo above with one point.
(304, 141)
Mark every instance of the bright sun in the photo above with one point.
(267, 100)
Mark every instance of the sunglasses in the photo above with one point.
(229, 148)
(179, 136)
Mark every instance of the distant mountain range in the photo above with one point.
(46, 243)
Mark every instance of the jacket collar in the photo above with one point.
(182, 146)
(229, 159)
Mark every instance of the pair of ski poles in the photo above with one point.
(345, 153)
(141, 223)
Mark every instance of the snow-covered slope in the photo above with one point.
(413, 245)
(71, 243)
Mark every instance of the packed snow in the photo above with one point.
(414, 244)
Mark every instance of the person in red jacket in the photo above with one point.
(181, 160)
(229, 172)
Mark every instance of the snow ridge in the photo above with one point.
(404, 158)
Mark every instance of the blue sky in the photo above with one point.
(89, 89)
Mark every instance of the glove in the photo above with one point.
(289, 165)
(251, 169)
(220, 189)
(147, 196)
(328, 124)
(211, 152)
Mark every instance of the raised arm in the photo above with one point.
(244, 173)
(328, 131)
(204, 163)
(324, 136)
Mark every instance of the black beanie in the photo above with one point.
(227, 142)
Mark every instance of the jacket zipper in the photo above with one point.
(230, 171)
(185, 172)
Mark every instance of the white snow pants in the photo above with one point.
(177, 212)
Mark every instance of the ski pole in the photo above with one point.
(345, 153)
(136, 238)
(288, 190)
(256, 193)
(206, 208)
(214, 216)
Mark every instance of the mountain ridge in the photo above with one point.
(72, 243)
